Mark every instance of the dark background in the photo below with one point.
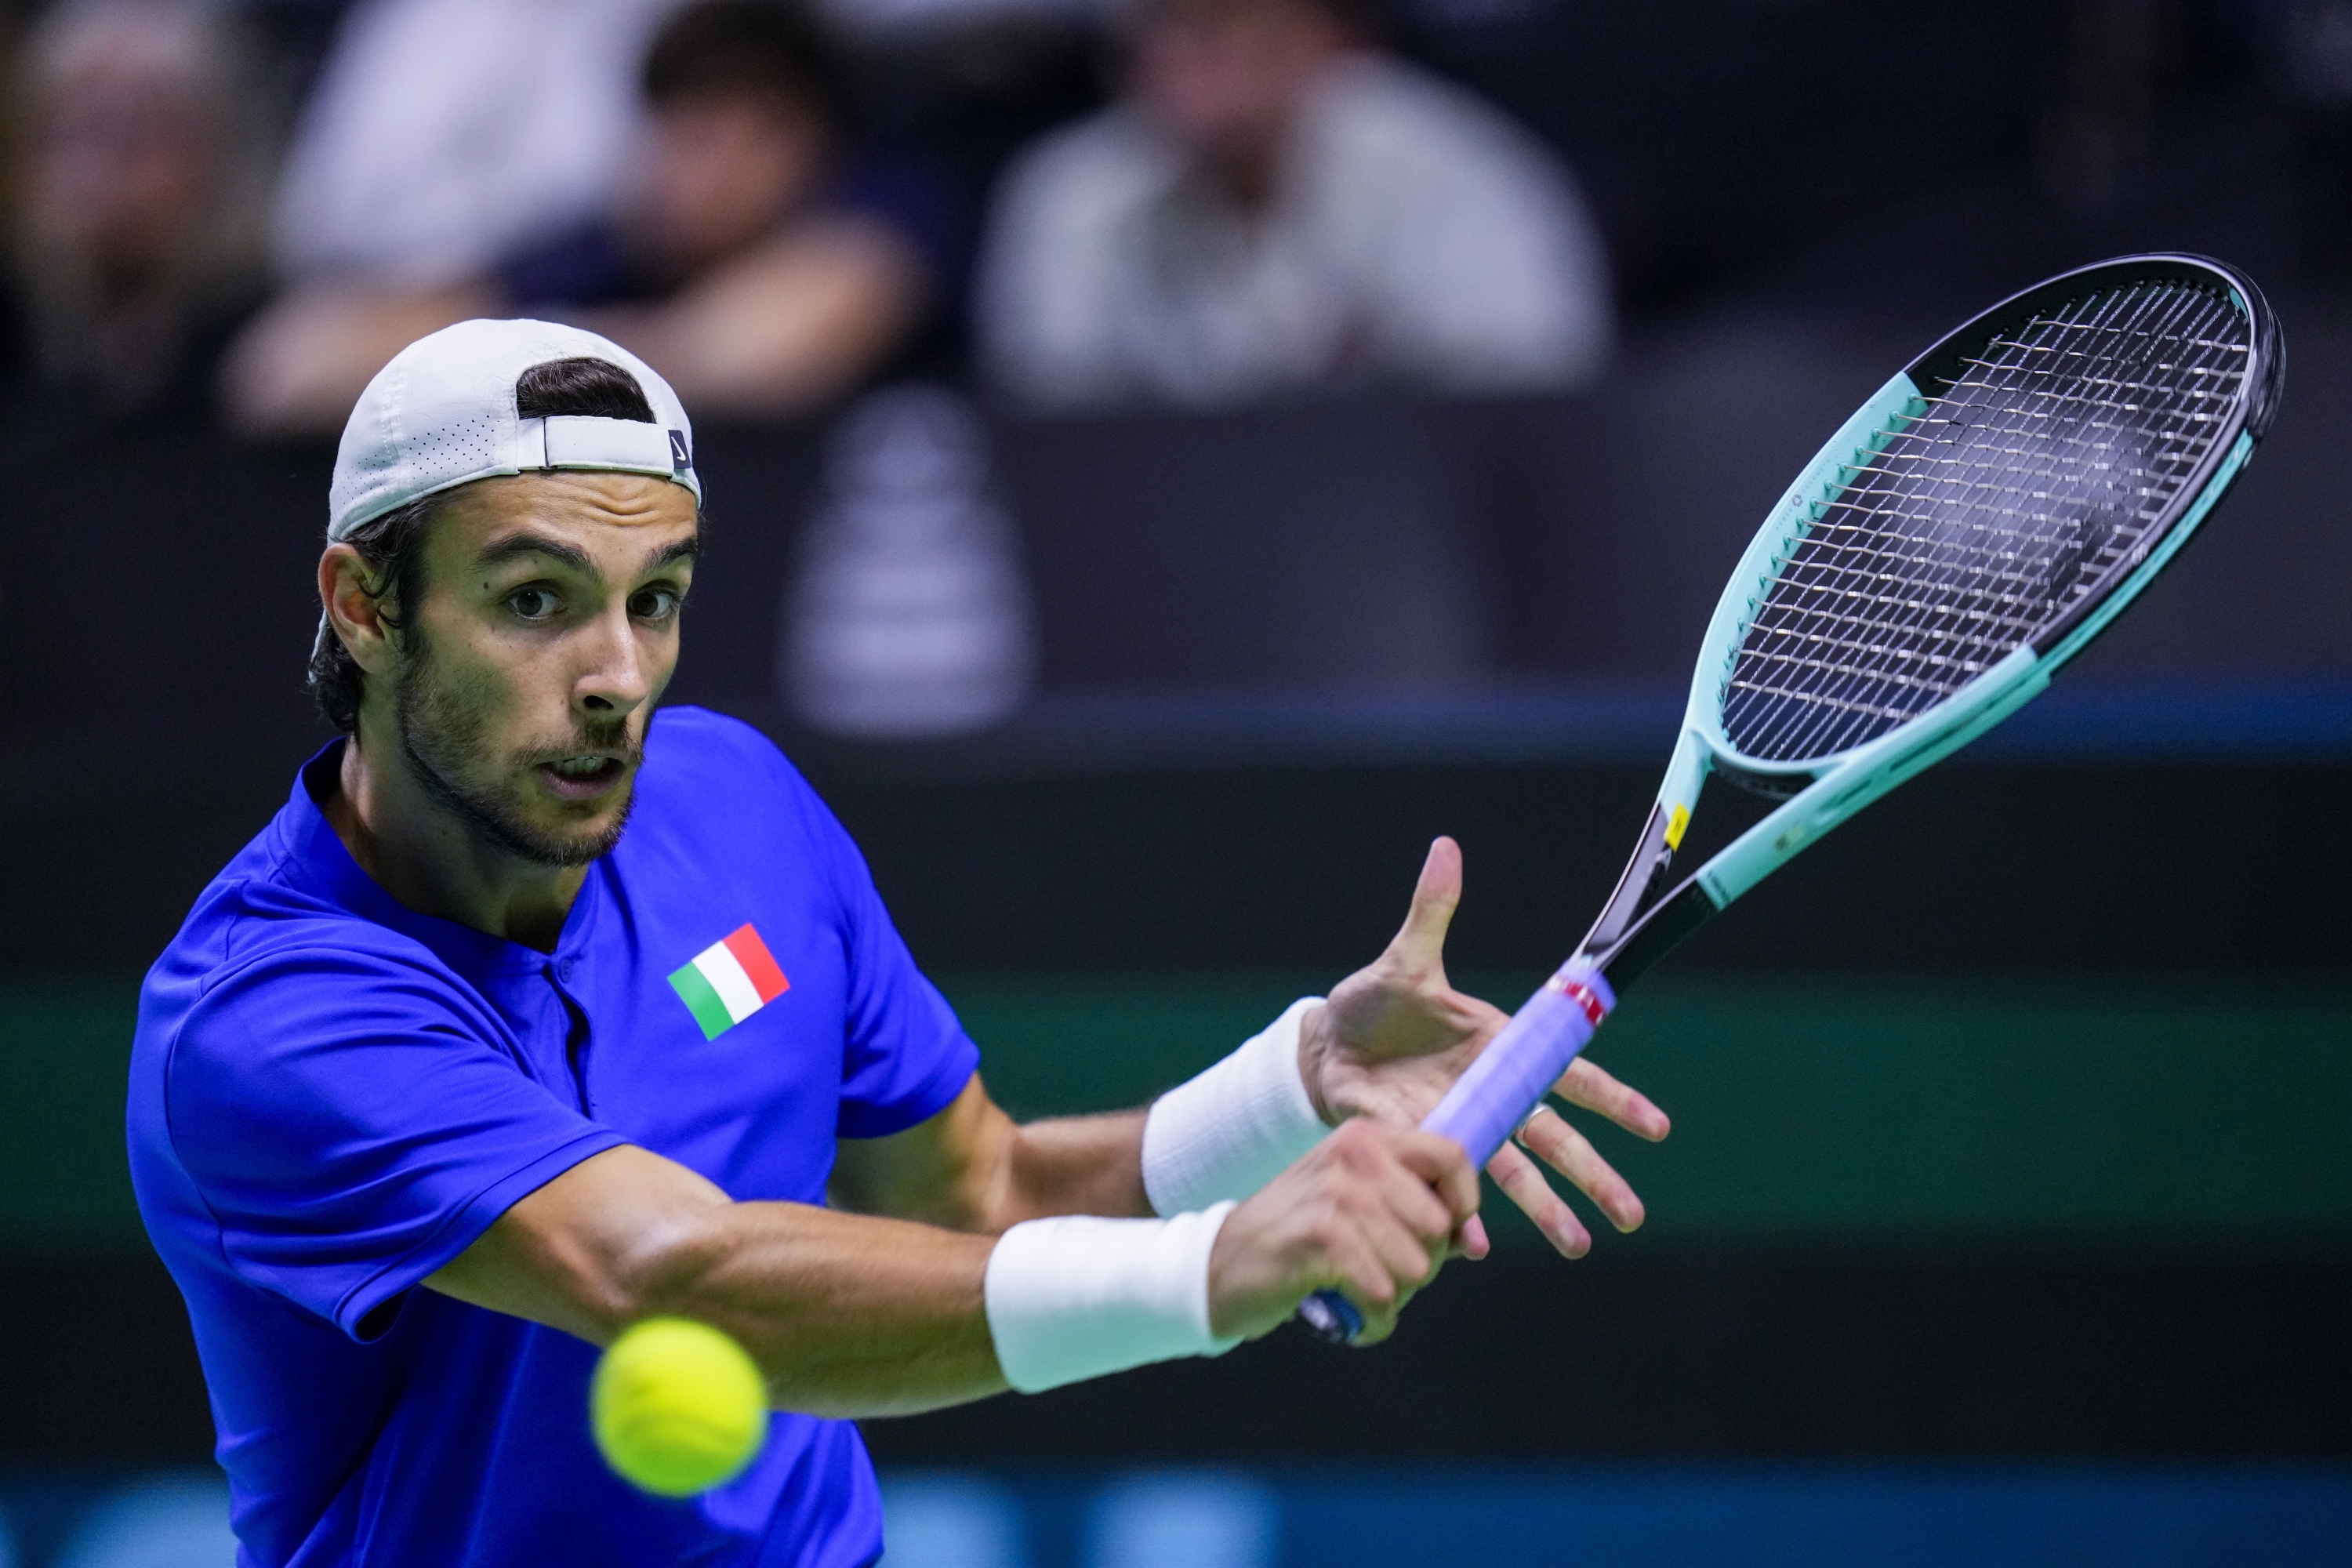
(2011, 1121)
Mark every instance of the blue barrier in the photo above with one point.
(1612, 1515)
(1666, 1515)
(2136, 720)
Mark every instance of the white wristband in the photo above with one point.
(1076, 1297)
(1234, 1128)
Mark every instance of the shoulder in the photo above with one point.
(261, 907)
(717, 793)
(1104, 162)
(723, 818)
(692, 752)
(683, 726)
(293, 980)
(264, 937)
(263, 1031)
(1410, 119)
(1060, 252)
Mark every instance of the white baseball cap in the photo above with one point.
(442, 414)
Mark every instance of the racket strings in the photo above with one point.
(1984, 514)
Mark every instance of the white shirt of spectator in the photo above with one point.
(1417, 237)
(444, 133)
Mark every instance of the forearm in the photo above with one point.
(1220, 1136)
(969, 1168)
(783, 328)
(847, 1315)
(855, 1315)
(300, 365)
(1077, 1164)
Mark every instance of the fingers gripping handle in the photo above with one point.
(1509, 1079)
(1511, 1075)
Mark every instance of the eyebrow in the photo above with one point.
(517, 545)
(687, 549)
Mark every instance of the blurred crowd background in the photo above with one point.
(1168, 458)
(1045, 349)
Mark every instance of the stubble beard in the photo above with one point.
(441, 733)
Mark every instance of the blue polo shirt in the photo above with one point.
(332, 1096)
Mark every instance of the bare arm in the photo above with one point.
(846, 1314)
(857, 1315)
(971, 1168)
(877, 1312)
(783, 327)
(303, 362)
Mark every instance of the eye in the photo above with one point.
(534, 604)
(654, 604)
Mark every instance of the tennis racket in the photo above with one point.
(1972, 528)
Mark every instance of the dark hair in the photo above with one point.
(592, 386)
(391, 546)
(741, 48)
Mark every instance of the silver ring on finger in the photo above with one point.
(1520, 1132)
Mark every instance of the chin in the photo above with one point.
(585, 838)
(559, 837)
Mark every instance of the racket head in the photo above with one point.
(1982, 516)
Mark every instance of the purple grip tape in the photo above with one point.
(1485, 1104)
(1511, 1075)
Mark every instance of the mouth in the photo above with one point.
(583, 776)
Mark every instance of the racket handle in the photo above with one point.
(1331, 1318)
(1509, 1079)
(1512, 1075)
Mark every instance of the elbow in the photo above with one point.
(666, 1271)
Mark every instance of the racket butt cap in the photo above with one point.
(1331, 1318)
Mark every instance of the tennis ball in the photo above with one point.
(678, 1407)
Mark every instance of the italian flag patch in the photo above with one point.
(728, 981)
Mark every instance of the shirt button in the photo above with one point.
(563, 972)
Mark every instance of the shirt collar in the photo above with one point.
(316, 857)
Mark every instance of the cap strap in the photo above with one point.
(586, 441)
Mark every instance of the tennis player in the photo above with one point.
(449, 1078)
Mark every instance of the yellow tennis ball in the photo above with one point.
(678, 1407)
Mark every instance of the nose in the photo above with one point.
(617, 675)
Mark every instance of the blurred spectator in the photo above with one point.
(141, 173)
(740, 261)
(443, 134)
(1278, 206)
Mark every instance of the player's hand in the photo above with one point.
(1370, 1212)
(1395, 1036)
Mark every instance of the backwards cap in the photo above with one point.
(442, 414)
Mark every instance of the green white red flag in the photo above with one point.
(728, 981)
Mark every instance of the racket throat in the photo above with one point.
(1645, 877)
(1656, 934)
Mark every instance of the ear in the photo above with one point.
(356, 615)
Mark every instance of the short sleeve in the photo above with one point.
(906, 1056)
(352, 1123)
